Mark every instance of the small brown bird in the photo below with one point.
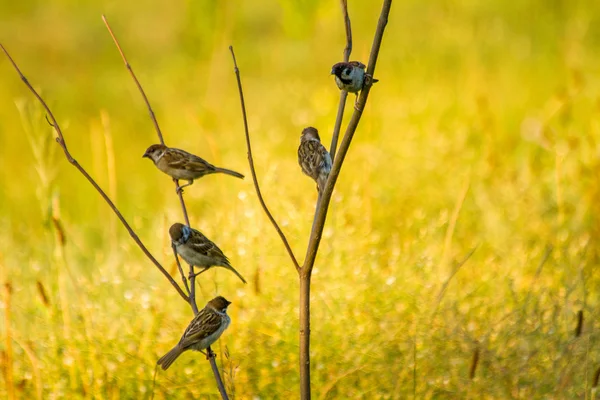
(313, 158)
(197, 250)
(204, 330)
(180, 164)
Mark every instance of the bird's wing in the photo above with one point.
(203, 325)
(196, 163)
(181, 159)
(202, 245)
(175, 158)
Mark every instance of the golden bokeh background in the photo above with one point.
(465, 218)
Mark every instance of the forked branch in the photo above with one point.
(253, 170)
(323, 206)
(61, 141)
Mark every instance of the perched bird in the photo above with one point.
(204, 330)
(351, 76)
(313, 158)
(197, 250)
(180, 164)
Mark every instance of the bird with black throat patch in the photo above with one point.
(179, 164)
(197, 250)
(313, 157)
(351, 76)
(204, 330)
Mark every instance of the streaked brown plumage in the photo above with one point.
(197, 250)
(179, 164)
(313, 158)
(204, 330)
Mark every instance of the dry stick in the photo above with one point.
(61, 141)
(183, 278)
(253, 170)
(152, 115)
(323, 206)
(211, 357)
(343, 93)
(579, 327)
(139, 86)
(474, 362)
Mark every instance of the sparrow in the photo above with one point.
(313, 158)
(197, 250)
(351, 76)
(204, 330)
(180, 164)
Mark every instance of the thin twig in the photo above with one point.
(348, 48)
(211, 358)
(183, 208)
(193, 290)
(321, 215)
(183, 278)
(474, 362)
(152, 115)
(343, 94)
(252, 169)
(61, 141)
(139, 86)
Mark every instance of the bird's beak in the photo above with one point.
(332, 72)
(146, 155)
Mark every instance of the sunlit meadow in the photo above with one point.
(464, 224)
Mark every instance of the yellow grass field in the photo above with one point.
(465, 222)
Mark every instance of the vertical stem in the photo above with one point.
(338, 124)
(304, 276)
(193, 303)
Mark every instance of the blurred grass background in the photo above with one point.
(483, 133)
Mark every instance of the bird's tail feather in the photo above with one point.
(229, 172)
(168, 359)
(229, 267)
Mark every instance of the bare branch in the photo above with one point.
(61, 141)
(139, 86)
(193, 290)
(213, 364)
(321, 215)
(183, 278)
(251, 162)
(343, 93)
(152, 115)
(348, 48)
